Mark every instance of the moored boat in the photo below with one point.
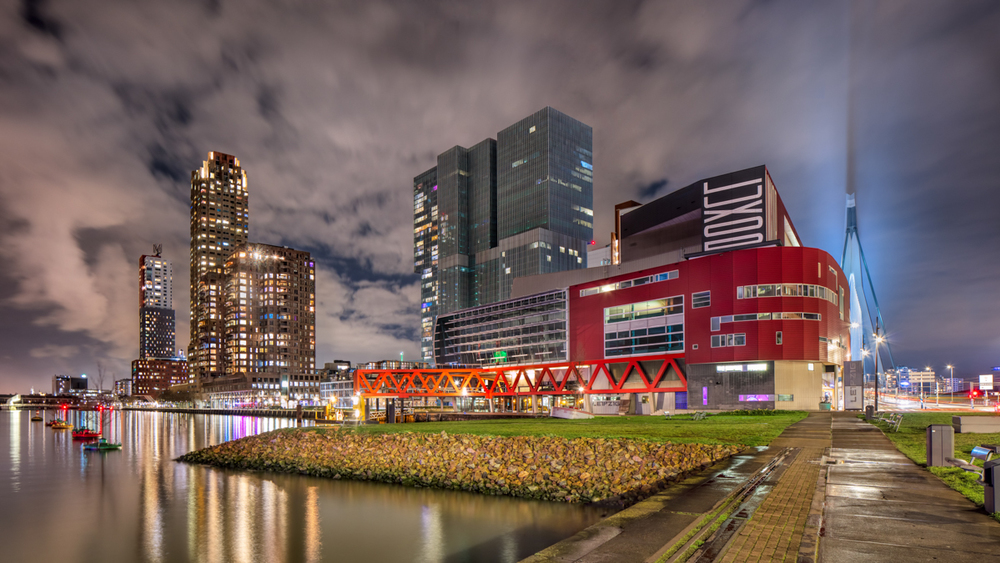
(86, 434)
(102, 445)
(37, 417)
(62, 425)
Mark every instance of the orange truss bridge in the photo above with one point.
(647, 374)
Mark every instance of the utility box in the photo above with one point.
(991, 485)
(940, 444)
(390, 412)
(869, 412)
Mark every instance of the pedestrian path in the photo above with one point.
(880, 506)
(776, 529)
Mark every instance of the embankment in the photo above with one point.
(613, 470)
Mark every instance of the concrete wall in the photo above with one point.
(794, 378)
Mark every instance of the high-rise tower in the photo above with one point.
(220, 216)
(516, 206)
(269, 314)
(156, 307)
(425, 254)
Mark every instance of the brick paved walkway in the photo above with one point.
(775, 530)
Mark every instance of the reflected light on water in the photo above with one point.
(159, 510)
(15, 453)
(430, 523)
(312, 527)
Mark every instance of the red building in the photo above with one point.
(154, 376)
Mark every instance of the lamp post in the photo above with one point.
(864, 354)
(878, 340)
(952, 368)
(922, 387)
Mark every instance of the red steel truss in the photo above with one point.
(647, 374)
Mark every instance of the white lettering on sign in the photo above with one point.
(722, 368)
(743, 212)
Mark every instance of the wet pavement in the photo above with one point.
(880, 506)
(637, 533)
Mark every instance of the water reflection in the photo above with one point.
(139, 504)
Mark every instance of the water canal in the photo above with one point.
(60, 503)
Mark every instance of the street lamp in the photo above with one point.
(878, 340)
(922, 386)
(952, 368)
(864, 354)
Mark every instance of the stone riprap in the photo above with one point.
(614, 470)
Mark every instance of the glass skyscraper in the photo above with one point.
(516, 206)
(425, 253)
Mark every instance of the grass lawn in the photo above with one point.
(755, 430)
(912, 441)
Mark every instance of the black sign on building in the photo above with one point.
(734, 210)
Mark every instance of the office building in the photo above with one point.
(715, 305)
(68, 384)
(220, 216)
(157, 335)
(123, 388)
(920, 382)
(519, 205)
(425, 254)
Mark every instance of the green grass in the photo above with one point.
(747, 430)
(911, 440)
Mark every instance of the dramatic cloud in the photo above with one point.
(332, 108)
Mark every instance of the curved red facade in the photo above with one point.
(825, 340)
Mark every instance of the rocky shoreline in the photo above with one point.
(580, 470)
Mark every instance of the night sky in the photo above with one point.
(333, 107)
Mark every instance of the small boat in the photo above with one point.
(86, 434)
(62, 425)
(53, 421)
(101, 445)
(37, 417)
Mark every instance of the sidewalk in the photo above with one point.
(780, 529)
(880, 506)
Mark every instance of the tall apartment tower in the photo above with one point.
(220, 216)
(269, 318)
(516, 206)
(425, 254)
(156, 307)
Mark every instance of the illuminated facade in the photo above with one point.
(157, 335)
(154, 376)
(220, 215)
(267, 301)
(425, 254)
(516, 206)
(714, 282)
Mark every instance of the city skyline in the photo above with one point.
(893, 104)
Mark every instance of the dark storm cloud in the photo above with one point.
(332, 109)
(649, 192)
(33, 12)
